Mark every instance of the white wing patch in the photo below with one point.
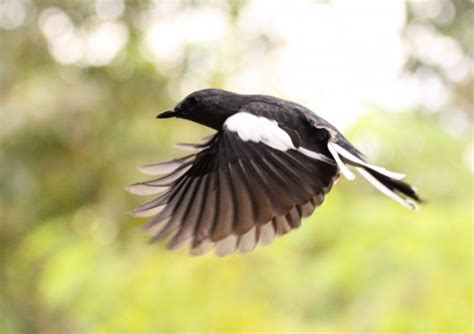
(262, 130)
(259, 130)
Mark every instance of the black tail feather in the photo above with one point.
(397, 186)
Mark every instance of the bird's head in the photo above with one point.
(209, 107)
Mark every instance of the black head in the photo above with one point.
(210, 107)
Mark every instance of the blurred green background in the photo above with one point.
(80, 84)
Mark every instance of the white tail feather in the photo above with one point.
(342, 166)
(383, 189)
(351, 157)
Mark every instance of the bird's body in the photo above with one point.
(270, 163)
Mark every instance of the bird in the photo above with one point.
(269, 164)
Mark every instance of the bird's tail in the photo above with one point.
(387, 182)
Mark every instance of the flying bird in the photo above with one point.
(269, 164)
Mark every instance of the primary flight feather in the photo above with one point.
(269, 164)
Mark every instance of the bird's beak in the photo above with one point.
(167, 114)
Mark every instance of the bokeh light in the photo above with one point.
(80, 85)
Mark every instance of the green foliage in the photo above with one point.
(72, 260)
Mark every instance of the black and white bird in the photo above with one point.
(270, 163)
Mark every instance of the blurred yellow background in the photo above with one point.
(80, 84)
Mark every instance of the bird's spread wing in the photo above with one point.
(242, 187)
(253, 180)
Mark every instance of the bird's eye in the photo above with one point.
(193, 100)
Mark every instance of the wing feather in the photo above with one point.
(191, 216)
(225, 207)
(177, 209)
(267, 233)
(248, 241)
(208, 214)
(166, 166)
(281, 225)
(243, 213)
(232, 195)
